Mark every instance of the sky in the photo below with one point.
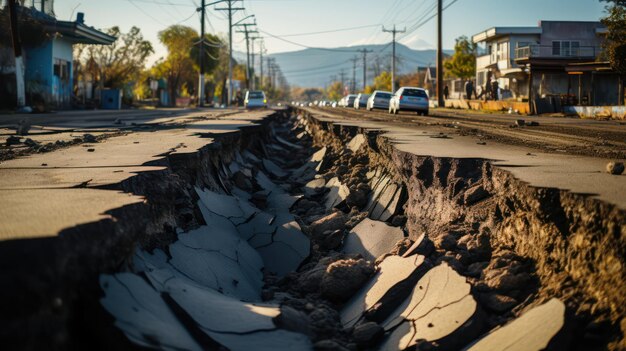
(289, 25)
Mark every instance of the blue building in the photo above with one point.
(48, 69)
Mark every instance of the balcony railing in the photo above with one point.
(546, 51)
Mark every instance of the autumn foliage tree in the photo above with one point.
(615, 43)
(114, 65)
(462, 64)
(381, 82)
(335, 91)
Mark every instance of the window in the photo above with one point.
(565, 48)
(414, 92)
(61, 69)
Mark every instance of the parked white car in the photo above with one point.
(409, 99)
(347, 101)
(379, 99)
(255, 99)
(360, 100)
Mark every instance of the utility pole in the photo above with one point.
(253, 69)
(261, 85)
(201, 56)
(17, 51)
(364, 52)
(393, 55)
(353, 85)
(440, 101)
(247, 32)
(230, 9)
(342, 74)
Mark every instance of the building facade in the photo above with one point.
(48, 65)
(531, 63)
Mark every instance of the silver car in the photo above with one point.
(361, 100)
(255, 99)
(409, 99)
(379, 99)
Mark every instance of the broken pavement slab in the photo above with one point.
(224, 263)
(355, 143)
(230, 322)
(391, 271)
(440, 306)
(337, 194)
(372, 239)
(274, 169)
(275, 235)
(147, 320)
(532, 331)
(32, 208)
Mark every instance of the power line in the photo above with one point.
(132, 2)
(168, 3)
(329, 31)
(302, 45)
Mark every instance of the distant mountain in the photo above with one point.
(314, 67)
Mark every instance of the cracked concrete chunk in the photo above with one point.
(287, 143)
(280, 258)
(145, 261)
(319, 155)
(223, 205)
(219, 313)
(265, 341)
(355, 144)
(382, 208)
(289, 232)
(235, 209)
(260, 224)
(274, 169)
(314, 187)
(214, 270)
(533, 330)
(337, 194)
(372, 239)
(439, 305)
(392, 270)
(229, 244)
(142, 315)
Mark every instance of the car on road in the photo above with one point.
(361, 100)
(347, 101)
(255, 99)
(409, 99)
(379, 99)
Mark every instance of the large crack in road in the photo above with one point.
(308, 232)
(364, 246)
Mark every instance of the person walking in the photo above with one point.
(494, 89)
(446, 92)
(469, 90)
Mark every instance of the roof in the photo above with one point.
(431, 72)
(76, 31)
(79, 33)
(496, 32)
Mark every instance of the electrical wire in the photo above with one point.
(302, 45)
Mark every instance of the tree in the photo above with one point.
(113, 65)
(212, 46)
(615, 43)
(178, 67)
(335, 91)
(381, 82)
(463, 63)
